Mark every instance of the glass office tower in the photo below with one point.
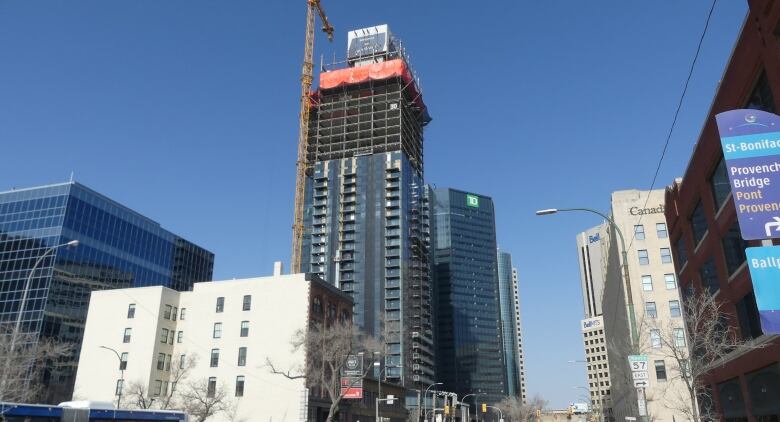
(510, 322)
(366, 219)
(470, 351)
(118, 248)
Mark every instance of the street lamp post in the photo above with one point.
(624, 255)
(500, 413)
(598, 388)
(425, 408)
(122, 377)
(25, 293)
(468, 408)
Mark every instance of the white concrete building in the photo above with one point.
(597, 361)
(232, 327)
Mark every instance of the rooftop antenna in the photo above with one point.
(71, 177)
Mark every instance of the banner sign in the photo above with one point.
(352, 377)
(751, 148)
(764, 266)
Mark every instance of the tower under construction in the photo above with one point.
(366, 220)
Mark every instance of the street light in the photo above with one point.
(468, 408)
(500, 413)
(624, 254)
(425, 406)
(17, 327)
(598, 387)
(122, 378)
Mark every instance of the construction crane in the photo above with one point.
(307, 76)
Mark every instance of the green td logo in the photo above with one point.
(472, 201)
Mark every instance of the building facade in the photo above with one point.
(523, 392)
(470, 350)
(216, 337)
(709, 252)
(592, 257)
(509, 301)
(366, 220)
(118, 248)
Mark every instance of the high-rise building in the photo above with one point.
(511, 325)
(470, 350)
(637, 312)
(118, 248)
(366, 220)
(593, 268)
(708, 248)
(519, 335)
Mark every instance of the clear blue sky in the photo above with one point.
(187, 112)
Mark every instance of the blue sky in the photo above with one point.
(187, 112)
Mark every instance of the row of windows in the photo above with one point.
(674, 309)
(644, 258)
(212, 386)
(660, 230)
(669, 280)
(245, 306)
(217, 332)
(678, 338)
(214, 362)
(169, 313)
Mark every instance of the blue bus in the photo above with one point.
(83, 412)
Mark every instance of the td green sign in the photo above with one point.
(472, 201)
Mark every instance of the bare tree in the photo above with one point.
(23, 357)
(201, 401)
(703, 345)
(137, 396)
(515, 410)
(327, 348)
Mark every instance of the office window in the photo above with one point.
(748, 317)
(214, 358)
(170, 336)
(671, 281)
(719, 183)
(709, 276)
(174, 313)
(244, 328)
(164, 335)
(212, 387)
(168, 362)
(639, 232)
(647, 283)
(734, 248)
(679, 337)
(242, 356)
(167, 312)
(660, 230)
(181, 315)
(684, 366)
(240, 386)
(128, 334)
(165, 388)
(119, 387)
(247, 303)
(220, 304)
(123, 361)
(157, 387)
(682, 254)
(660, 370)
(698, 223)
(316, 306)
(651, 310)
(182, 361)
(131, 311)
(217, 330)
(161, 361)
(674, 308)
(666, 256)
(179, 336)
(655, 339)
(761, 96)
(643, 257)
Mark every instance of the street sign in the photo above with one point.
(640, 375)
(641, 402)
(630, 418)
(641, 383)
(764, 266)
(751, 148)
(352, 387)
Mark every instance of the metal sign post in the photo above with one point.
(641, 377)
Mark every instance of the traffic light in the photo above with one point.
(484, 408)
(446, 410)
(538, 413)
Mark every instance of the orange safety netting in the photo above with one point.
(376, 71)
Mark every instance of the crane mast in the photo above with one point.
(302, 165)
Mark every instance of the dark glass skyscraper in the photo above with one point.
(366, 218)
(118, 248)
(469, 344)
(510, 323)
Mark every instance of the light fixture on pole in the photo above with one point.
(425, 395)
(122, 376)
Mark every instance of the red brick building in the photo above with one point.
(708, 249)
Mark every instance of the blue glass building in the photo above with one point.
(366, 219)
(118, 248)
(470, 350)
(510, 323)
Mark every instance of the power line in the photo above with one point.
(676, 114)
